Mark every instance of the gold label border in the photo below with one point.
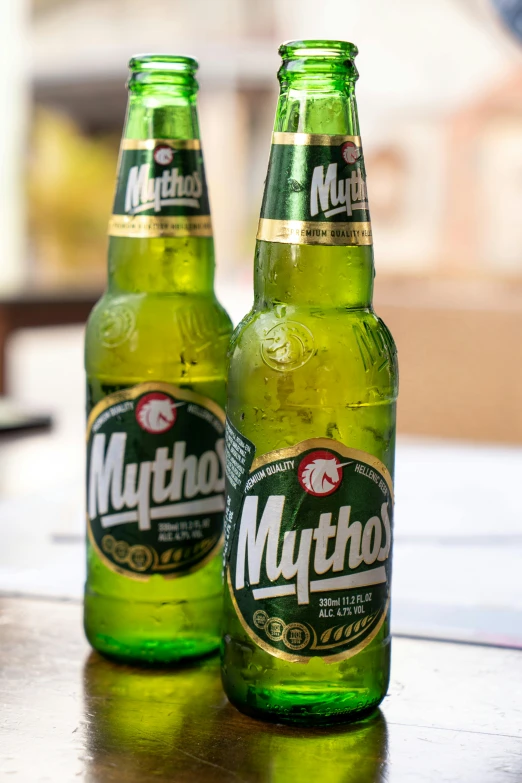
(149, 386)
(313, 139)
(305, 659)
(307, 232)
(150, 144)
(294, 451)
(130, 394)
(146, 577)
(150, 226)
(325, 443)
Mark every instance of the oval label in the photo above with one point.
(308, 554)
(155, 480)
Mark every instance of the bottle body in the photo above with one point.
(160, 618)
(310, 449)
(155, 362)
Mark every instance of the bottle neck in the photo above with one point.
(330, 271)
(168, 247)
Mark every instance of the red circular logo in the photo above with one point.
(350, 152)
(156, 412)
(163, 154)
(320, 473)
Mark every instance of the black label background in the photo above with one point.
(289, 181)
(186, 161)
(334, 637)
(200, 423)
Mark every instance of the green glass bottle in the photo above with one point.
(155, 360)
(311, 423)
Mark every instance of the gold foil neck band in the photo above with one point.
(312, 139)
(150, 144)
(149, 226)
(301, 232)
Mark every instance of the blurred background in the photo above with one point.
(440, 101)
(440, 104)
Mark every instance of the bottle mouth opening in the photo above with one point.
(163, 63)
(162, 71)
(320, 49)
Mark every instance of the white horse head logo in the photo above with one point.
(322, 475)
(157, 415)
(350, 152)
(163, 155)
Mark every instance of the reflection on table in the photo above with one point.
(452, 715)
(149, 724)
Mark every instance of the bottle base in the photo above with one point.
(298, 707)
(152, 632)
(153, 653)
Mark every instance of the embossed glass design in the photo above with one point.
(311, 413)
(155, 360)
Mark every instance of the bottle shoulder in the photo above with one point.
(339, 352)
(149, 334)
(187, 314)
(335, 326)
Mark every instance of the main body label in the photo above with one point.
(161, 190)
(308, 535)
(315, 191)
(155, 480)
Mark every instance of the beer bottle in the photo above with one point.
(155, 360)
(310, 435)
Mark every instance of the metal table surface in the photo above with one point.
(453, 713)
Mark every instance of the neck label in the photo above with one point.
(308, 536)
(315, 192)
(161, 190)
(155, 480)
